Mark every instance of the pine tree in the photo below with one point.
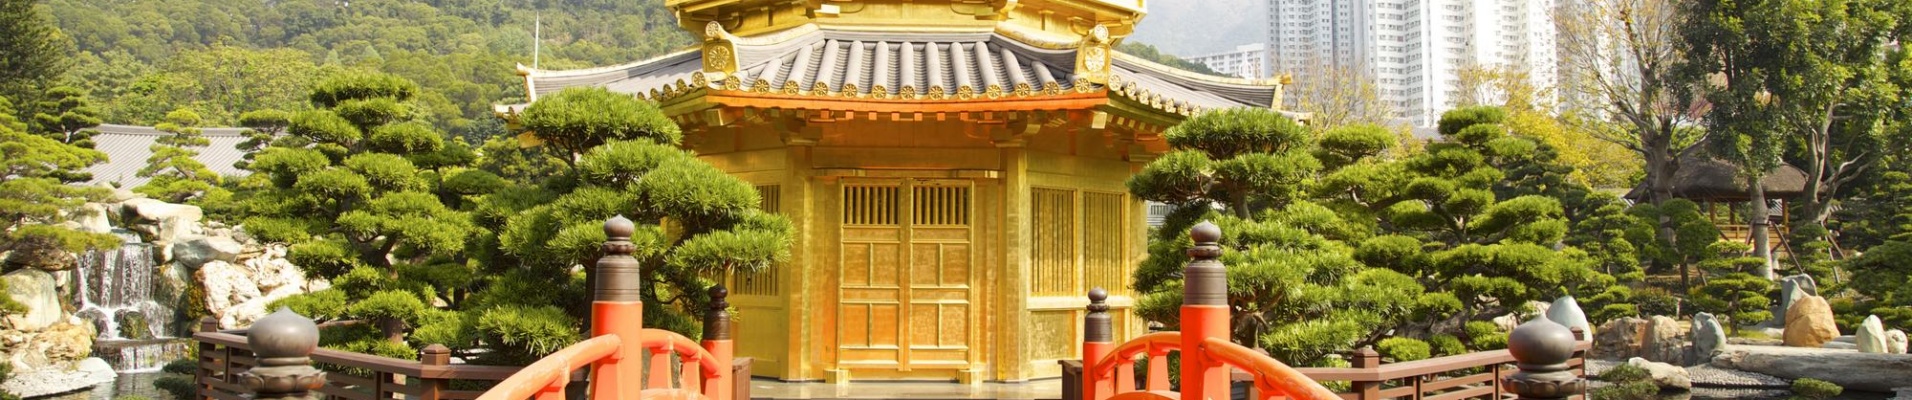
(33, 52)
(65, 114)
(176, 175)
(34, 193)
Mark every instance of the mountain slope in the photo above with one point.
(1195, 27)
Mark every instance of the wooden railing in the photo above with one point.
(1549, 358)
(618, 352)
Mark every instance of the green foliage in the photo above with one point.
(1883, 279)
(577, 119)
(1149, 52)
(1814, 389)
(1402, 349)
(32, 51)
(34, 196)
(176, 175)
(1740, 297)
(1484, 335)
(1444, 345)
(1623, 373)
(65, 114)
(1635, 390)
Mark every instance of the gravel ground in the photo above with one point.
(1709, 376)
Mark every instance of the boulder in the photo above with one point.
(1809, 323)
(67, 378)
(270, 270)
(1895, 341)
(1871, 337)
(1566, 311)
(35, 289)
(1709, 338)
(243, 314)
(1791, 289)
(1510, 321)
(1668, 376)
(1657, 339)
(43, 258)
(165, 222)
(92, 217)
(197, 251)
(1854, 370)
(226, 285)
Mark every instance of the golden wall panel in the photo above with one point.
(1053, 250)
(1052, 335)
(902, 158)
(1105, 264)
(872, 235)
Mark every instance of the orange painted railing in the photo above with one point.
(1207, 357)
(619, 341)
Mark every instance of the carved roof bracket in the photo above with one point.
(1092, 56)
(720, 52)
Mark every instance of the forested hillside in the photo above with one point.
(220, 58)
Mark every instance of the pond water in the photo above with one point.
(129, 384)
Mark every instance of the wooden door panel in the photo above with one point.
(905, 290)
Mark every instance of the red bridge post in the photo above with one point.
(1098, 338)
(617, 309)
(1204, 315)
(717, 342)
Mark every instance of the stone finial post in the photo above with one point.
(1205, 314)
(1098, 338)
(717, 342)
(617, 309)
(1542, 349)
(283, 343)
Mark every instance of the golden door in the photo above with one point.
(905, 287)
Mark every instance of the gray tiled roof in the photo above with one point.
(908, 65)
(127, 147)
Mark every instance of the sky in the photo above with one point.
(1195, 27)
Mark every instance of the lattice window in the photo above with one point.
(1103, 219)
(870, 205)
(939, 205)
(1054, 249)
(761, 283)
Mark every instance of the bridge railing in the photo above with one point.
(1545, 352)
(226, 359)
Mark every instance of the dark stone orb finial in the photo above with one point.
(283, 338)
(1098, 295)
(619, 228)
(1541, 345)
(718, 297)
(1205, 232)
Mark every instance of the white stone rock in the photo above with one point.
(92, 217)
(1566, 311)
(1709, 338)
(243, 314)
(1853, 370)
(1871, 337)
(197, 251)
(1895, 341)
(35, 289)
(1665, 375)
(47, 381)
(270, 270)
(226, 285)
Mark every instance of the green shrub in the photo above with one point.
(1483, 335)
(1402, 349)
(180, 386)
(1446, 345)
(1638, 390)
(183, 366)
(1814, 389)
(132, 397)
(1624, 373)
(1657, 301)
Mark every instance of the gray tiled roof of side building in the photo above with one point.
(127, 147)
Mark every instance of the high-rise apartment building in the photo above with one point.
(1415, 50)
(1249, 61)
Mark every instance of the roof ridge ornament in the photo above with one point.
(1092, 55)
(720, 52)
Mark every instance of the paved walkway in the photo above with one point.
(1033, 390)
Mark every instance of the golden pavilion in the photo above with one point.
(954, 168)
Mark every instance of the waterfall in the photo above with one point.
(115, 293)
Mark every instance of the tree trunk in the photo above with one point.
(1757, 221)
(1660, 167)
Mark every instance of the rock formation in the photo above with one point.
(1895, 342)
(1667, 376)
(1709, 338)
(1871, 336)
(1566, 311)
(1851, 369)
(1657, 339)
(1809, 323)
